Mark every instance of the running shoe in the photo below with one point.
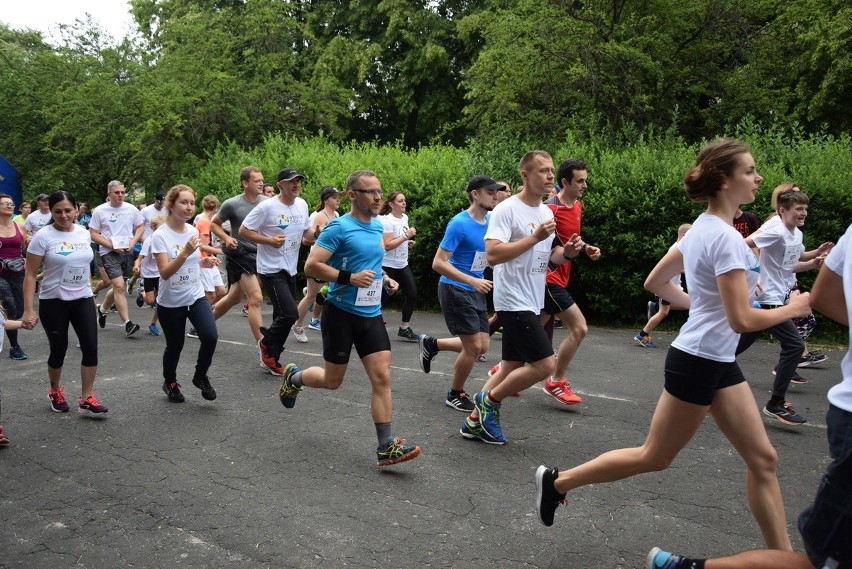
(489, 415)
(395, 452)
(314, 324)
(785, 413)
(58, 404)
(267, 361)
(561, 391)
(287, 393)
(659, 559)
(192, 333)
(101, 316)
(300, 334)
(547, 497)
(473, 430)
(130, 328)
(407, 334)
(812, 358)
(428, 351)
(139, 300)
(460, 402)
(173, 391)
(203, 383)
(3, 440)
(481, 358)
(113, 309)
(644, 341)
(17, 353)
(153, 330)
(245, 309)
(91, 406)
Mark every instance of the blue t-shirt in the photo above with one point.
(355, 246)
(465, 239)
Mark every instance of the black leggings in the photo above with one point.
(173, 321)
(407, 285)
(55, 315)
(12, 297)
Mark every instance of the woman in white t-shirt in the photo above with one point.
(62, 251)
(176, 248)
(701, 373)
(325, 211)
(398, 238)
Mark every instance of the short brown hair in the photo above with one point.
(245, 173)
(527, 159)
(716, 161)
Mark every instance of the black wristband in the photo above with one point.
(343, 277)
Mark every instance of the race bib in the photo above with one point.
(120, 242)
(292, 243)
(185, 277)
(539, 261)
(792, 253)
(479, 263)
(75, 276)
(371, 295)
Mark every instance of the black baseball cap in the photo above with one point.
(487, 182)
(327, 192)
(288, 174)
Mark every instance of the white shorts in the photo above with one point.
(211, 278)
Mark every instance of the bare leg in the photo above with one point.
(87, 375)
(576, 328)
(763, 559)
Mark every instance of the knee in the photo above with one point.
(764, 461)
(579, 330)
(657, 462)
(255, 299)
(333, 383)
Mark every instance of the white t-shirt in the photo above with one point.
(36, 220)
(780, 250)
(149, 213)
(271, 218)
(519, 283)
(839, 260)
(115, 224)
(396, 226)
(67, 255)
(712, 248)
(184, 287)
(148, 266)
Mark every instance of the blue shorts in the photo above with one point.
(465, 311)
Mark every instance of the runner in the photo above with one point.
(145, 267)
(348, 255)
(180, 297)
(701, 373)
(13, 244)
(398, 239)
(40, 217)
(63, 250)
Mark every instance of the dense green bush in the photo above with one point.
(632, 209)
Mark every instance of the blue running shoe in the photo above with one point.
(659, 559)
(644, 341)
(489, 415)
(474, 431)
(154, 330)
(288, 392)
(314, 324)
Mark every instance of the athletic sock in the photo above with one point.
(432, 344)
(456, 392)
(643, 333)
(775, 400)
(490, 398)
(296, 379)
(472, 419)
(689, 563)
(383, 433)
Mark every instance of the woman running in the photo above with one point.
(62, 250)
(13, 244)
(398, 239)
(701, 372)
(176, 247)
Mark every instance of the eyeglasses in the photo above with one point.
(7, 204)
(375, 192)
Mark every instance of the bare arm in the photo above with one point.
(659, 280)
(441, 265)
(33, 265)
(733, 288)
(168, 267)
(827, 296)
(219, 232)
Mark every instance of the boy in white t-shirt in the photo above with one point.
(781, 254)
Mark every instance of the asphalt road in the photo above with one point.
(244, 482)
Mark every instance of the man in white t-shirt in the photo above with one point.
(781, 254)
(116, 226)
(39, 218)
(278, 226)
(518, 246)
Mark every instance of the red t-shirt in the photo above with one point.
(567, 224)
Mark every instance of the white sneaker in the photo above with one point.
(300, 334)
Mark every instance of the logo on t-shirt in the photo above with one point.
(531, 228)
(65, 248)
(283, 222)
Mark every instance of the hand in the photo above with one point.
(231, 243)
(801, 302)
(545, 230)
(593, 252)
(362, 279)
(29, 320)
(410, 233)
(482, 286)
(391, 286)
(277, 241)
(191, 245)
(825, 248)
(208, 262)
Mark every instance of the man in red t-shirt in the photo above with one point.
(572, 177)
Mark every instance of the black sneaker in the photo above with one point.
(784, 412)
(547, 498)
(130, 328)
(192, 333)
(428, 351)
(203, 383)
(459, 402)
(813, 358)
(101, 317)
(173, 392)
(407, 334)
